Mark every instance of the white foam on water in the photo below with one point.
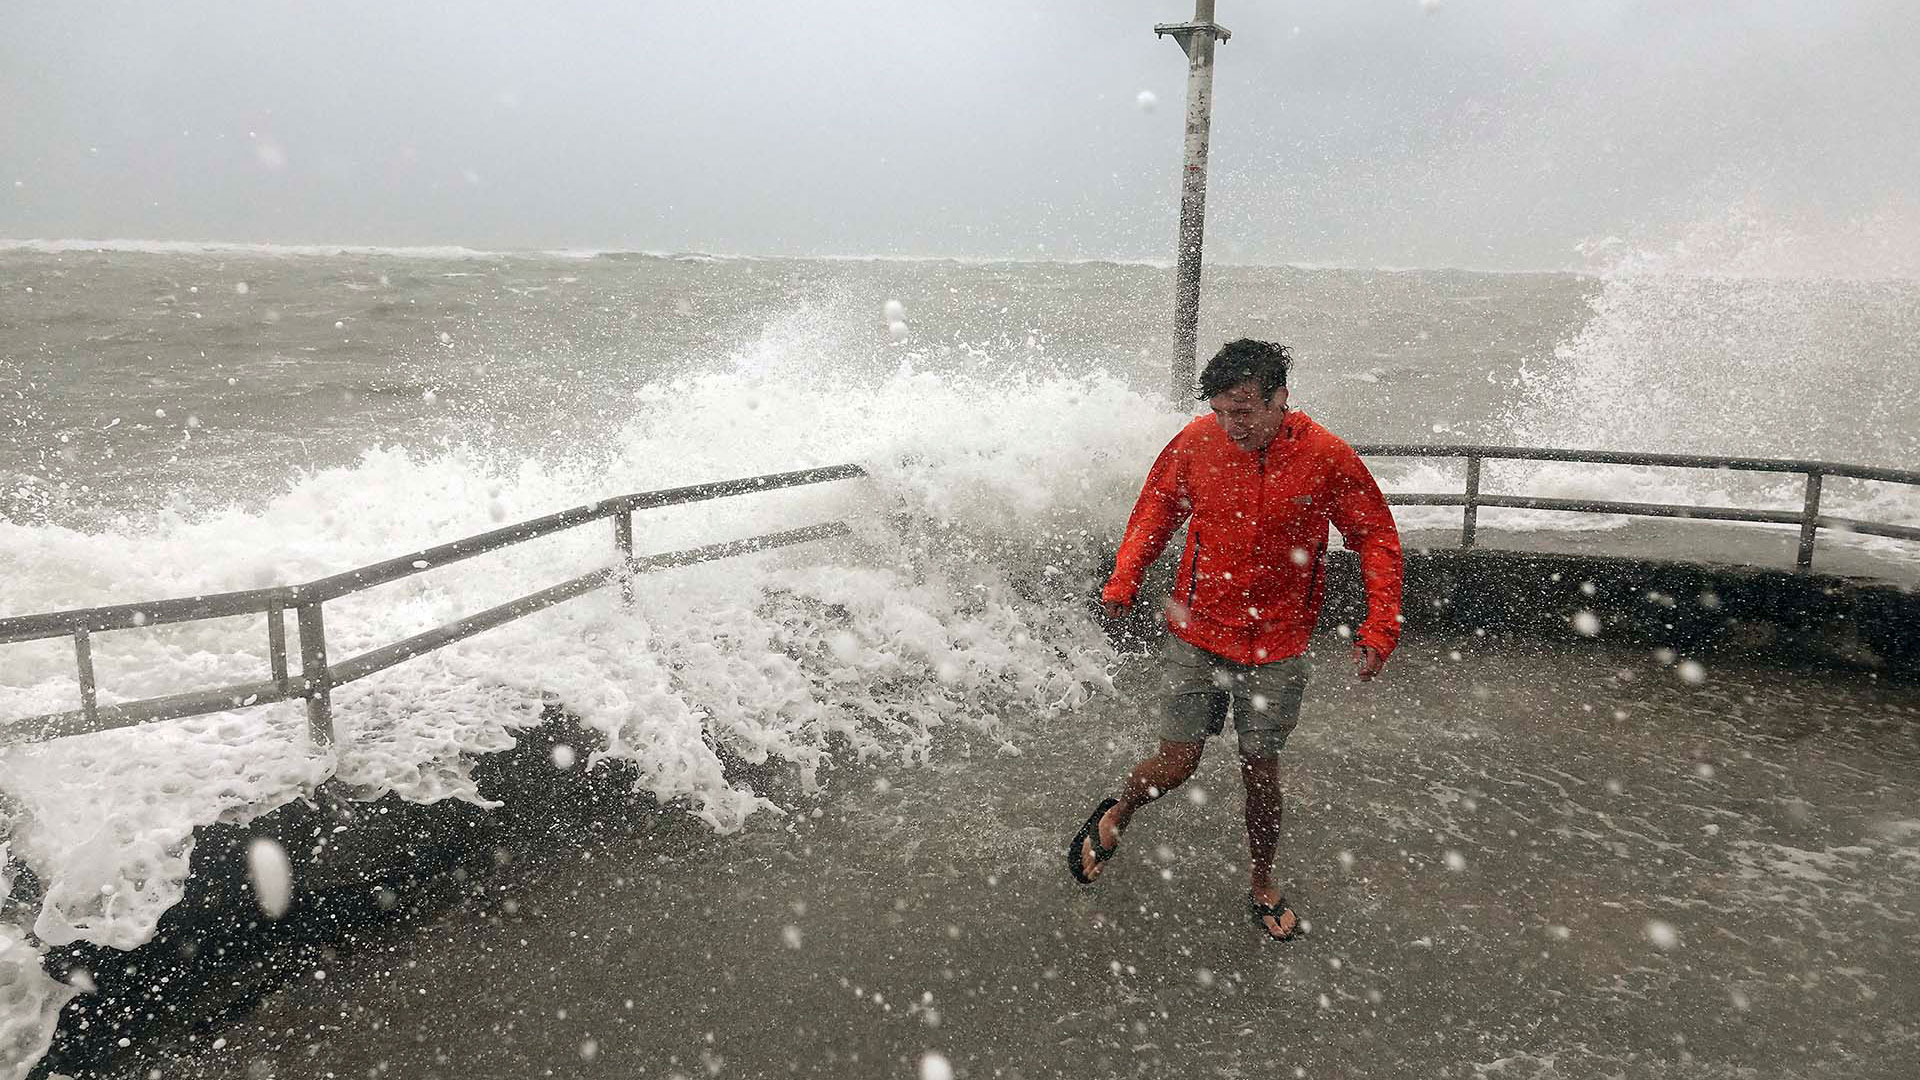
(828, 650)
(1783, 865)
(30, 1004)
(105, 821)
(1749, 336)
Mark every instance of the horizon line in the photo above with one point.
(58, 246)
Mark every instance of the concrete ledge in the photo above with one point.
(359, 869)
(1766, 615)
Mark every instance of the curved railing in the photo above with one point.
(317, 677)
(1808, 517)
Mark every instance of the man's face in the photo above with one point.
(1250, 422)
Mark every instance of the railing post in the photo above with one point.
(83, 660)
(1469, 518)
(623, 539)
(1809, 523)
(315, 684)
(277, 644)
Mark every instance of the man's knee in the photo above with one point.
(1261, 749)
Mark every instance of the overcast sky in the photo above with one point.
(1480, 133)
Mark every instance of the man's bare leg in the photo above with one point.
(1149, 780)
(1264, 811)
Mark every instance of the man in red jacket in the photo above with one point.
(1257, 484)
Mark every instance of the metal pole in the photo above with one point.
(83, 660)
(1468, 522)
(1196, 39)
(623, 540)
(1809, 523)
(277, 644)
(315, 681)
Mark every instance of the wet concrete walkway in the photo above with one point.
(1516, 860)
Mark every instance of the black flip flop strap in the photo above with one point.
(1100, 852)
(1091, 830)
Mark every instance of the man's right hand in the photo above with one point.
(1114, 609)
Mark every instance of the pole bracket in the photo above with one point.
(1184, 33)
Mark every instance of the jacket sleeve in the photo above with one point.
(1162, 506)
(1365, 522)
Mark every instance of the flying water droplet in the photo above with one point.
(271, 876)
(935, 1066)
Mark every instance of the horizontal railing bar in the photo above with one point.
(380, 573)
(1624, 457)
(365, 664)
(17, 628)
(366, 577)
(147, 710)
(647, 500)
(128, 714)
(650, 564)
(1870, 528)
(14, 628)
(1601, 506)
(359, 667)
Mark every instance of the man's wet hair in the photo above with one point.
(1265, 362)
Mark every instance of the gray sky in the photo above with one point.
(1475, 133)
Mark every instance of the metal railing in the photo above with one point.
(1808, 517)
(317, 677)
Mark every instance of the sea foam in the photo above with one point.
(959, 603)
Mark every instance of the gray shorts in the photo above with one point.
(1201, 690)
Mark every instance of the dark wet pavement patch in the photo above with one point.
(1530, 861)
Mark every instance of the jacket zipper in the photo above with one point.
(1313, 578)
(1193, 575)
(1260, 498)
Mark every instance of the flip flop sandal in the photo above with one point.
(1260, 912)
(1090, 834)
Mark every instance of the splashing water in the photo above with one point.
(978, 489)
(1742, 338)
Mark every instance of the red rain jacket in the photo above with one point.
(1252, 577)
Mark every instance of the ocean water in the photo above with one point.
(185, 381)
(184, 420)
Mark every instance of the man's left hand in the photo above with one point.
(1367, 661)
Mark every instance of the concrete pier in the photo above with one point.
(1517, 857)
